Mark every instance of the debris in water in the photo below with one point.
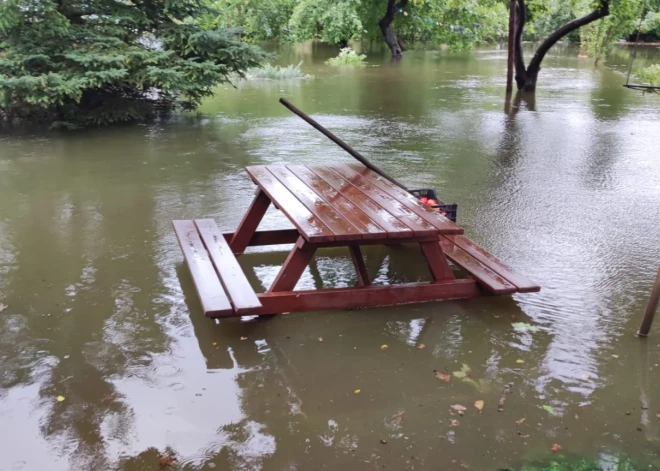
(658, 415)
(479, 405)
(107, 398)
(500, 403)
(628, 412)
(520, 361)
(454, 423)
(421, 346)
(524, 327)
(442, 377)
(521, 421)
(214, 343)
(320, 339)
(383, 442)
(383, 347)
(615, 356)
(3, 307)
(357, 391)
(398, 417)
(459, 408)
(463, 373)
(243, 338)
(60, 398)
(555, 448)
(550, 410)
(165, 461)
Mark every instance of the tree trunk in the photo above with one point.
(526, 77)
(389, 34)
(343, 43)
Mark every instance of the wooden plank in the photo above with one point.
(524, 284)
(392, 205)
(335, 221)
(215, 302)
(339, 202)
(309, 226)
(250, 222)
(294, 266)
(484, 275)
(360, 267)
(440, 269)
(241, 293)
(365, 297)
(445, 225)
(374, 210)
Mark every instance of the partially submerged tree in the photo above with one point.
(334, 22)
(386, 28)
(102, 61)
(526, 76)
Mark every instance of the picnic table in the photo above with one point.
(342, 205)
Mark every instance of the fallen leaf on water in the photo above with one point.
(243, 338)
(383, 347)
(214, 343)
(465, 369)
(479, 405)
(421, 346)
(459, 408)
(521, 421)
(398, 417)
(615, 356)
(60, 398)
(520, 361)
(549, 410)
(658, 415)
(357, 391)
(454, 423)
(165, 461)
(3, 307)
(524, 327)
(320, 339)
(555, 448)
(442, 377)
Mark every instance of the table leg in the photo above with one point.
(360, 267)
(294, 266)
(440, 269)
(250, 222)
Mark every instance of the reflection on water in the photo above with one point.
(102, 311)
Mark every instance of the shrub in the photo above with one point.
(347, 56)
(276, 72)
(650, 74)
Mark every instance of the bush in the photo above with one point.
(347, 56)
(276, 72)
(650, 75)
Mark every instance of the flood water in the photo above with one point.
(106, 360)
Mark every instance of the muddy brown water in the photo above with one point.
(101, 310)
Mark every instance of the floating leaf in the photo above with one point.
(454, 423)
(459, 408)
(442, 377)
(479, 405)
(615, 356)
(60, 398)
(357, 391)
(421, 346)
(520, 362)
(550, 410)
(3, 307)
(320, 339)
(463, 373)
(398, 417)
(524, 327)
(243, 338)
(384, 347)
(521, 421)
(555, 448)
(214, 343)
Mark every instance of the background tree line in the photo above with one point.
(76, 63)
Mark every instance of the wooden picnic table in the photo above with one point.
(343, 205)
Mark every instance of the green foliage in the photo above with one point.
(347, 57)
(623, 20)
(270, 72)
(650, 75)
(334, 22)
(256, 19)
(103, 61)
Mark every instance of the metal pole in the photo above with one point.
(651, 307)
(512, 21)
(340, 143)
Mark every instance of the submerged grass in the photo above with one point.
(276, 72)
(347, 56)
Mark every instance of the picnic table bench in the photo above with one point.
(344, 205)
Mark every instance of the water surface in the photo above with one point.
(102, 312)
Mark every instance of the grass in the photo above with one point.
(276, 72)
(650, 75)
(347, 57)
